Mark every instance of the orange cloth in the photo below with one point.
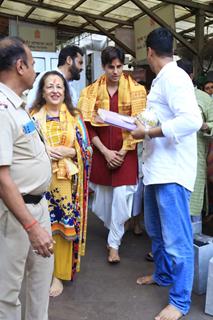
(131, 101)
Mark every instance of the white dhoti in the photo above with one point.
(113, 205)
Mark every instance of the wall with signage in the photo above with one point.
(126, 36)
(145, 25)
(37, 37)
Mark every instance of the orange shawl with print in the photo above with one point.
(64, 168)
(131, 102)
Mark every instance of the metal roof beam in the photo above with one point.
(70, 12)
(72, 8)
(190, 4)
(185, 16)
(158, 6)
(111, 36)
(208, 23)
(29, 13)
(115, 6)
(162, 23)
(78, 4)
(64, 15)
(31, 10)
(133, 19)
(59, 27)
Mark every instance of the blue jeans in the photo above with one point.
(167, 221)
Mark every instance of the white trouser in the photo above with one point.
(16, 254)
(113, 205)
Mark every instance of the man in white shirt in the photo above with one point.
(70, 65)
(169, 167)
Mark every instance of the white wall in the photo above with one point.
(45, 61)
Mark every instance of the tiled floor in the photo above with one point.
(105, 292)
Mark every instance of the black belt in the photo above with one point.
(30, 198)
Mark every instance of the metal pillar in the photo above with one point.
(199, 41)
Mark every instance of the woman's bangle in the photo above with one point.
(27, 227)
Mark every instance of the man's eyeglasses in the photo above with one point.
(208, 88)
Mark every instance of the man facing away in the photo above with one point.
(70, 65)
(114, 163)
(169, 168)
(25, 172)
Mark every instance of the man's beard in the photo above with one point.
(75, 72)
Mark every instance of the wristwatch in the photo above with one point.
(146, 134)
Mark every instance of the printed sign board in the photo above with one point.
(37, 37)
(144, 25)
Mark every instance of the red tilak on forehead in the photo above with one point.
(55, 81)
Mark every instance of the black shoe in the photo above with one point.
(149, 257)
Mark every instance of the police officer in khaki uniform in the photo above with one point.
(26, 243)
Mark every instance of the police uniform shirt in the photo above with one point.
(21, 147)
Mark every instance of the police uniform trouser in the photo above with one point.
(17, 258)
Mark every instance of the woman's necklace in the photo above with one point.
(52, 113)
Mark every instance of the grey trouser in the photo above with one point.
(16, 259)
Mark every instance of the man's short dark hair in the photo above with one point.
(68, 51)
(186, 65)
(11, 49)
(161, 41)
(111, 53)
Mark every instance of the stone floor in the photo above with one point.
(109, 292)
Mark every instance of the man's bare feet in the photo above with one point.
(146, 280)
(128, 225)
(137, 230)
(56, 287)
(169, 313)
(113, 256)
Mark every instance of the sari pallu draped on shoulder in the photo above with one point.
(68, 213)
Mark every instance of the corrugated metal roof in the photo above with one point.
(74, 17)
